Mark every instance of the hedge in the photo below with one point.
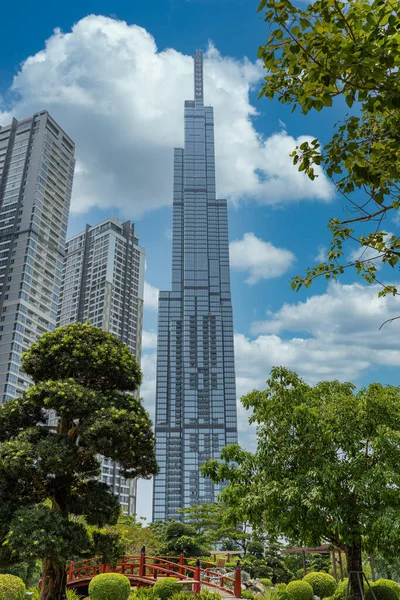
(166, 587)
(381, 591)
(109, 586)
(11, 588)
(388, 582)
(323, 585)
(300, 590)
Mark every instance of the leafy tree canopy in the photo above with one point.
(218, 527)
(48, 475)
(325, 468)
(351, 49)
(176, 537)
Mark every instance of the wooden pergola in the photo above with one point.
(336, 556)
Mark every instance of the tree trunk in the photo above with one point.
(54, 580)
(354, 566)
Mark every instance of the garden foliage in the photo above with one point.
(109, 586)
(11, 588)
(323, 584)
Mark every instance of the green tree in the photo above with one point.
(218, 527)
(133, 535)
(177, 537)
(325, 468)
(48, 475)
(387, 568)
(332, 49)
(264, 559)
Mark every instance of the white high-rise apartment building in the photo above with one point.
(36, 174)
(103, 282)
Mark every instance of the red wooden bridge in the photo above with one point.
(144, 570)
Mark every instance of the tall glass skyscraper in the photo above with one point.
(36, 174)
(196, 394)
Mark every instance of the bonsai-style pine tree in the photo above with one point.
(48, 475)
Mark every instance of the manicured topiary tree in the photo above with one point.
(389, 583)
(265, 581)
(300, 590)
(381, 591)
(47, 474)
(323, 584)
(109, 586)
(166, 587)
(11, 588)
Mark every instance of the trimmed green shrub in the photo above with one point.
(323, 585)
(166, 587)
(381, 592)
(11, 588)
(109, 586)
(300, 590)
(340, 593)
(390, 583)
(265, 581)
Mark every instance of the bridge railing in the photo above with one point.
(146, 569)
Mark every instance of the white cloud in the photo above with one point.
(322, 255)
(332, 335)
(150, 296)
(365, 253)
(149, 340)
(122, 102)
(262, 259)
(148, 387)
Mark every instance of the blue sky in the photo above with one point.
(115, 76)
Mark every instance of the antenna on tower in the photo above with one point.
(198, 76)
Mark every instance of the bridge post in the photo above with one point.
(197, 575)
(70, 570)
(142, 562)
(181, 563)
(237, 586)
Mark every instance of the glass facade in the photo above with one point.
(36, 174)
(103, 282)
(196, 394)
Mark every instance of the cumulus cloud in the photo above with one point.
(149, 340)
(121, 100)
(150, 296)
(148, 387)
(261, 259)
(365, 253)
(329, 336)
(322, 254)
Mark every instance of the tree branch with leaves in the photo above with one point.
(351, 50)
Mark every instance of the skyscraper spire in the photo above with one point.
(196, 394)
(198, 76)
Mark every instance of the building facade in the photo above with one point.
(196, 394)
(103, 282)
(36, 174)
